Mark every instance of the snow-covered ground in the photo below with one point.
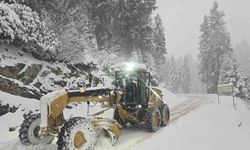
(211, 126)
(14, 119)
(197, 122)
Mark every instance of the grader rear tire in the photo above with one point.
(152, 119)
(77, 134)
(28, 132)
(165, 114)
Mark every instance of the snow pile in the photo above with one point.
(212, 126)
(11, 56)
(13, 120)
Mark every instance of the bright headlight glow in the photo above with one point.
(130, 66)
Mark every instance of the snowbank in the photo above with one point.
(13, 120)
(212, 126)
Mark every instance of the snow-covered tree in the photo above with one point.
(242, 52)
(242, 88)
(159, 41)
(174, 80)
(204, 50)
(185, 76)
(19, 25)
(230, 74)
(91, 30)
(214, 43)
(124, 26)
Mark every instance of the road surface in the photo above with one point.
(130, 137)
(134, 135)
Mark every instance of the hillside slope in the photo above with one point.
(22, 74)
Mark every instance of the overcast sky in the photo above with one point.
(182, 19)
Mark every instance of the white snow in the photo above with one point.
(198, 122)
(14, 119)
(47, 99)
(12, 56)
(212, 126)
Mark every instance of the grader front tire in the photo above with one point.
(153, 119)
(77, 134)
(165, 114)
(28, 132)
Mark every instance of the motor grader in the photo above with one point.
(132, 98)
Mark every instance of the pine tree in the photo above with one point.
(229, 71)
(242, 88)
(230, 74)
(124, 27)
(242, 52)
(174, 80)
(204, 50)
(21, 26)
(186, 77)
(159, 41)
(214, 43)
(96, 27)
(164, 71)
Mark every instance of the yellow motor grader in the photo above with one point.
(132, 99)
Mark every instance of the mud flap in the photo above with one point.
(108, 128)
(112, 137)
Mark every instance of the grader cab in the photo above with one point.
(132, 99)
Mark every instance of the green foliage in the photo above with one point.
(21, 26)
(174, 80)
(230, 73)
(120, 27)
(124, 23)
(159, 41)
(214, 43)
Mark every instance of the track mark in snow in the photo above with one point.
(16, 145)
(129, 137)
(177, 112)
(186, 107)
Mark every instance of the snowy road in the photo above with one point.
(129, 137)
(197, 122)
(135, 135)
(190, 104)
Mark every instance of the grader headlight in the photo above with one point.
(130, 66)
(82, 90)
